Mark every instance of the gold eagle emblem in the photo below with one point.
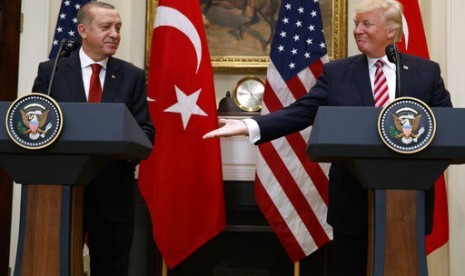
(34, 122)
(406, 126)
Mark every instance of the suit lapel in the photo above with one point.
(73, 75)
(361, 77)
(113, 79)
(404, 76)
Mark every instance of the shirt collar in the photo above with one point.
(87, 61)
(372, 61)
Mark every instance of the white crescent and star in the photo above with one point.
(406, 30)
(169, 17)
(186, 105)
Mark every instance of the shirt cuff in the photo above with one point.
(254, 130)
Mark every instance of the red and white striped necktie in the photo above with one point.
(381, 91)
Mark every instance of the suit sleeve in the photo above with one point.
(140, 108)
(297, 116)
(42, 79)
(441, 97)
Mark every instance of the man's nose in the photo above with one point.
(358, 28)
(113, 32)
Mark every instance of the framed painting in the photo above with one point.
(240, 42)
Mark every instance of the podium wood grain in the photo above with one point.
(42, 238)
(401, 237)
(401, 247)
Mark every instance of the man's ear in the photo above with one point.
(392, 32)
(82, 30)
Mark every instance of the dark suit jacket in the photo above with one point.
(346, 82)
(124, 83)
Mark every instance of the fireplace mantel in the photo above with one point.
(238, 156)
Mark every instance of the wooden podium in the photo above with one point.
(53, 178)
(396, 182)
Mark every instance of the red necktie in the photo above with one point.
(95, 88)
(381, 91)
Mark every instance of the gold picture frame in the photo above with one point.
(334, 13)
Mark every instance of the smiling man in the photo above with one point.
(99, 29)
(367, 79)
(92, 74)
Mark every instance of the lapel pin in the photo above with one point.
(405, 67)
(113, 76)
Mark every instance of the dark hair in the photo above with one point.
(85, 16)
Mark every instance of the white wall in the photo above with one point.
(438, 261)
(455, 42)
(444, 23)
(442, 19)
(33, 49)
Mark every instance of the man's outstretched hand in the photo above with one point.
(228, 127)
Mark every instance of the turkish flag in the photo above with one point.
(414, 42)
(181, 181)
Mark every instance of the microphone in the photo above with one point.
(392, 53)
(66, 47)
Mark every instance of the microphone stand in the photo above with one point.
(63, 41)
(66, 47)
(392, 53)
(398, 94)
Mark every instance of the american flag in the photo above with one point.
(291, 191)
(66, 26)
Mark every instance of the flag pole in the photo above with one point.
(297, 268)
(164, 268)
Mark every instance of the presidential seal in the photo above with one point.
(34, 121)
(406, 125)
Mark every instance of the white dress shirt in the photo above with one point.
(86, 68)
(389, 70)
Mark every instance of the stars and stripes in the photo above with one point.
(66, 26)
(290, 190)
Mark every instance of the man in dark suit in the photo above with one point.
(351, 82)
(109, 202)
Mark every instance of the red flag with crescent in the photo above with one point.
(413, 39)
(181, 181)
(414, 42)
